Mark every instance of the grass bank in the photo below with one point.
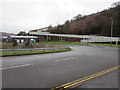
(78, 43)
(64, 42)
(8, 45)
(101, 44)
(31, 52)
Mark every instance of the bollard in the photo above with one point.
(116, 42)
(43, 50)
(30, 50)
(13, 51)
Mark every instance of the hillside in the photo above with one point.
(6, 34)
(98, 24)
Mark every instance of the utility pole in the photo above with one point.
(58, 30)
(83, 35)
(111, 29)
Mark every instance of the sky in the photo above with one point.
(25, 15)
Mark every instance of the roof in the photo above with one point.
(18, 37)
(23, 37)
(92, 38)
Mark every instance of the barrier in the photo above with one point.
(9, 52)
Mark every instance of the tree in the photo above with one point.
(66, 27)
(96, 23)
(77, 17)
(116, 4)
(22, 33)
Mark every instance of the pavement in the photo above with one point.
(54, 69)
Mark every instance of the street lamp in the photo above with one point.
(111, 29)
(83, 35)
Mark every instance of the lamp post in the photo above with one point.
(83, 35)
(111, 29)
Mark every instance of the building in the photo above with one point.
(40, 30)
(19, 39)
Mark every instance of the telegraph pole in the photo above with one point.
(58, 30)
(83, 35)
(111, 29)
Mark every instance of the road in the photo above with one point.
(50, 70)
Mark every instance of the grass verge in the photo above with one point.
(63, 42)
(31, 52)
(111, 45)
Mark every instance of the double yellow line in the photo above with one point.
(79, 81)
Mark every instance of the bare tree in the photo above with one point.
(116, 4)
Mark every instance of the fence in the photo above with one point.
(8, 52)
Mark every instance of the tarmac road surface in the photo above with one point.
(54, 69)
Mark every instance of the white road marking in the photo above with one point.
(16, 66)
(66, 59)
(74, 57)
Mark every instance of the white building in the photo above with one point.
(40, 30)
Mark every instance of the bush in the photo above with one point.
(15, 44)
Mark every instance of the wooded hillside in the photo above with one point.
(98, 24)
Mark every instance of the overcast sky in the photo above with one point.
(25, 15)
